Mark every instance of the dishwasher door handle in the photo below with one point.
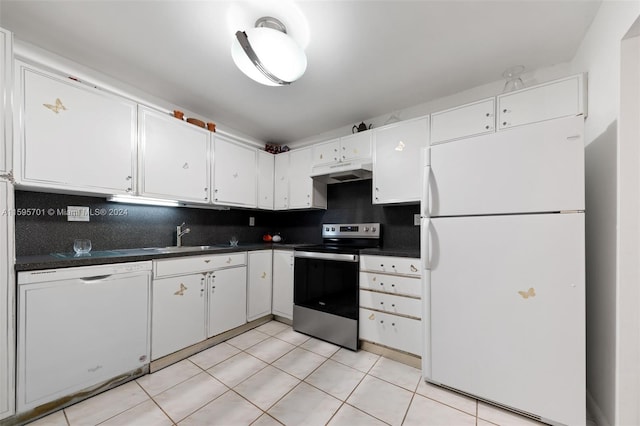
(90, 280)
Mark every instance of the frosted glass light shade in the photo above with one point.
(277, 52)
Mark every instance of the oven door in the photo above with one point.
(327, 282)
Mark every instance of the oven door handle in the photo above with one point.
(341, 257)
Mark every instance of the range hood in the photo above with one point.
(342, 172)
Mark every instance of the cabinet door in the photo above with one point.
(463, 121)
(397, 171)
(178, 316)
(259, 285)
(227, 300)
(7, 302)
(356, 146)
(300, 184)
(234, 181)
(174, 158)
(507, 310)
(281, 182)
(6, 69)
(326, 152)
(283, 283)
(560, 98)
(266, 169)
(76, 137)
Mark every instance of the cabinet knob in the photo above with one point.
(381, 322)
(382, 303)
(486, 127)
(128, 189)
(382, 265)
(488, 115)
(504, 110)
(504, 123)
(381, 283)
(128, 177)
(206, 189)
(393, 324)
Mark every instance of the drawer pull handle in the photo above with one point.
(207, 260)
(414, 269)
(264, 275)
(393, 285)
(382, 303)
(381, 322)
(229, 261)
(393, 324)
(393, 305)
(382, 265)
(381, 283)
(372, 316)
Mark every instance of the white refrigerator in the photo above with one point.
(502, 241)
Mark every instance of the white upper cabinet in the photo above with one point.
(460, 122)
(397, 171)
(304, 192)
(344, 149)
(174, 158)
(356, 146)
(326, 152)
(6, 68)
(559, 98)
(74, 137)
(281, 182)
(266, 169)
(234, 174)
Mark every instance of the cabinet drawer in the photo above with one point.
(192, 264)
(463, 121)
(391, 303)
(390, 265)
(390, 330)
(392, 284)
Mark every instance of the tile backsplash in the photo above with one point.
(120, 226)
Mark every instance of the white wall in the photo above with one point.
(599, 55)
(628, 290)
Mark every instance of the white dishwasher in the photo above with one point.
(80, 329)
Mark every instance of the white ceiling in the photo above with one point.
(365, 58)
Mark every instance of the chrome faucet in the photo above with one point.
(180, 232)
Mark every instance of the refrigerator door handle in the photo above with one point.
(425, 214)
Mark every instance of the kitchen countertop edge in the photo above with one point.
(47, 261)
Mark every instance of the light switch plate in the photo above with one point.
(77, 214)
(252, 221)
(416, 219)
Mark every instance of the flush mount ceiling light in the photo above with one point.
(267, 54)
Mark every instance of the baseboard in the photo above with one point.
(593, 409)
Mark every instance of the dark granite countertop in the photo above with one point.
(67, 260)
(395, 252)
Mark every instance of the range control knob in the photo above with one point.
(333, 229)
(373, 229)
(366, 229)
(326, 229)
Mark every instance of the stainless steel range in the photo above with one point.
(325, 296)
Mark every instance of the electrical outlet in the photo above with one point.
(77, 214)
(252, 221)
(416, 219)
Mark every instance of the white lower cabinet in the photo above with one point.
(7, 302)
(80, 328)
(282, 304)
(178, 313)
(196, 297)
(259, 284)
(227, 300)
(390, 302)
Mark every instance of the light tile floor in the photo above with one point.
(273, 375)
